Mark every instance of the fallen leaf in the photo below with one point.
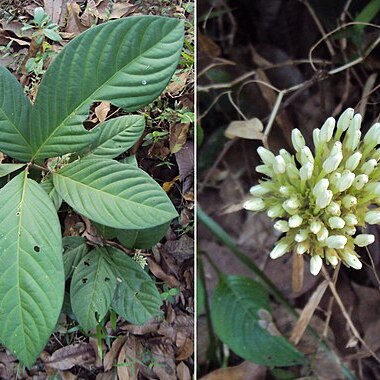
(178, 83)
(149, 327)
(168, 185)
(127, 363)
(185, 161)
(109, 375)
(122, 9)
(101, 111)
(74, 25)
(90, 14)
(208, 46)
(69, 356)
(245, 129)
(243, 371)
(103, 9)
(183, 372)
(67, 375)
(163, 359)
(113, 353)
(178, 136)
(186, 350)
(15, 27)
(182, 249)
(56, 9)
(8, 366)
(159, 273)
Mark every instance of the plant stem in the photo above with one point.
(229, 242)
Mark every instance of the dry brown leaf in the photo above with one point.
(67, 375)
(122, 9)
(101, 111)
(178, 136)
(182, 249)
(110, 375)
(245, 129)
(186, 350)
(102, 7)
(159, 273)
(74, 25)
(127, 363)
(163, 359)
(178, 83)
(149, 327)
(243, 371)
(183, 372)
(70, 356)
(208, 46)
(90, 14)
(56, 9)
(15, 27)
(8, 366)
(113, 353)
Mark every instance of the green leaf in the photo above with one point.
(136, 299)
(6, 169)
(48, 186)
(241, 317)
(127, 62)
(131, 160)
(32, 276)
(114, 194)
(75, 248)
(142, 239)
(14, 117)
(52, 34)
(105, 231)
(92, 288)
(115, 136)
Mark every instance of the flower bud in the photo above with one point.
(316, 133)
(324, 199)
(279, 249)
(331, 256)
(281, 226)
(315, 226)
(295, 221)
(372, 137)
(360, 181)
(363, 240)
(254, 204)
(345, 119)
(292, 203)
(302, 247)
(321, 187)
(368, 167)
(373, 188)
(350, 219)
(335, 178)
(336, 241)
(301, 236)
(266, 155)
(350, 230)
(286, 156)
(305, 156)
(315, 264)
(258, 190)
(279, 165)
(353, 161)
(323, 234)
(275, 211)
(306, 171)
(265, 169)
(372, 217)
(336, 222)
(297, 139)
(284, 190)
(334, 159)
(351, 260)
(333, 209)
(327, 130)
(349, 201)
(292, 172)
(346, 180)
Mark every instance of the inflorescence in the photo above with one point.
(320, 200)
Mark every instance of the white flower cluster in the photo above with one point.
(140, 259)
(319, 200)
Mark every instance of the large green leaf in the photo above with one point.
(31, 276)
(136, 299)
(127, 62)
(114, 194)
(48, 186)
(115, 136)
(142, 239)
(6, 169)
(92, 288)
(241, 317)
(14, 117)
(75, 248)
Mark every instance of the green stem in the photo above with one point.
(229, 242)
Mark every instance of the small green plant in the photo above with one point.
(127, 62)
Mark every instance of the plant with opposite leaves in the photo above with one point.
(127, 62)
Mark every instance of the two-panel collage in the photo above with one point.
(189, 190)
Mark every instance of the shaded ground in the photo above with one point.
(161, 349)
(250, 55)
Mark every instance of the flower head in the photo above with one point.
(320, 198)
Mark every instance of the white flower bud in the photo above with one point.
(327, 130)
(349, 201)
(320, 187)
(292, 203)
(275, 211)
(279, 249)
(363, 240)
(360, 181)
(346, 180)
(352, 260)
(266, 155)
(336, 241)
(281, 226)
(372, 137)
(334, 159)
(335, 178)
(336, 222)
(305, 156)
(324, 199)
(315, 226)
(265, 169)
(372, 217)
(316, 133)
(353, 161)
(351, 220)
(259, 190)
(292, 171)
(353, 140)
(345, 119)
(297, 139)
(279, 165)
(333, 209)
(301, 235)
(315, 264)
(295, 221)
(323, 234)
(306, 171)
(254, 204)
(286, 156)
(368, 167)
(284, 190)
(331, 256)
(349, 230)
(373, 188)
(302, 247)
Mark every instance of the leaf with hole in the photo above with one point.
(240, 314)
(114, 194)
(92, 288)
(32, 276)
